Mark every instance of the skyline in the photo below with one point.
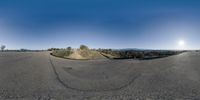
(143, 24)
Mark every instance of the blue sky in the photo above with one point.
(148, 24)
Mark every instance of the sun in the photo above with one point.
(181, 44)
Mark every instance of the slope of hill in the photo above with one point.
(78, 54)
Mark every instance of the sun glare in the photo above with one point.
(181, 44)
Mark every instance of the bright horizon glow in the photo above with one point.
(181, 45)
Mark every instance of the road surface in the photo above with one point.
(39, 76)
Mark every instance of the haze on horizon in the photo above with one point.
(146, 24)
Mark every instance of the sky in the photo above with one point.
(144, 24)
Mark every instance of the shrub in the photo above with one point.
(69, 48)
(62, 52)
(83, 47)
(85, 53)
(52, 49)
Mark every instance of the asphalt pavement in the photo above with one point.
(40, 76)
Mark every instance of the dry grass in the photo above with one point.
(78, 54)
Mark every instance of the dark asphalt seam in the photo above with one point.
(90, 90)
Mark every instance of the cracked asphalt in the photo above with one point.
(39, 76)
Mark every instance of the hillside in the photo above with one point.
(78, 54)
(84, 54)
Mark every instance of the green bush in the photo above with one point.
(84, 51)
(83, 47)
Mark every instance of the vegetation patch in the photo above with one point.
(62, 52)
(81, 53)
(84, 52)
(137, 54)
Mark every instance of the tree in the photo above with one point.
(69, 48)
(3, 47)
(83, 47)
